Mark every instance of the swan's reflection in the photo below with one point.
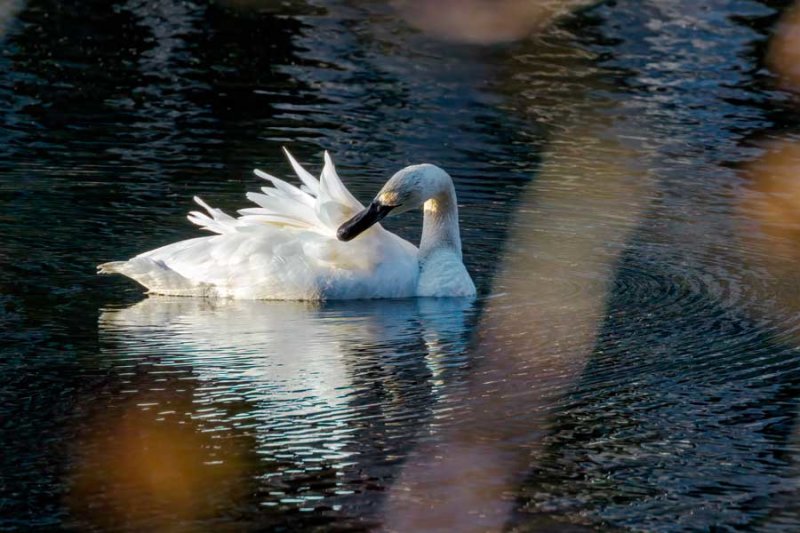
(313, 387)
(291, 359)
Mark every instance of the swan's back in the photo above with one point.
(283, 249)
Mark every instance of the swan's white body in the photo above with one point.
(287, 248)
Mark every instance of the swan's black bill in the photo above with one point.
(363, 221)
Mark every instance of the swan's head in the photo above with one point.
(407, 189)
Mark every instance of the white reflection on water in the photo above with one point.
(298, 365)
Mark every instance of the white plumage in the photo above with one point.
(287, 247)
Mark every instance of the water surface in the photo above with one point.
(624, 134)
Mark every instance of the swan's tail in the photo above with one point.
(114, 267)
(156, 276)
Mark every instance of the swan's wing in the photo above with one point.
(283, 204)
(335, 204)
(319, 206)
(309, 182)
(216, 220)
(285, 247)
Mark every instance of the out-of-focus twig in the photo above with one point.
(484, 21)
(534, 337)
(784, 51)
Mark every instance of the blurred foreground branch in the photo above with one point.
(535, 335)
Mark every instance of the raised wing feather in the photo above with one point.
(319, 206)
(305, 176)
(217, 220)
(335, 204)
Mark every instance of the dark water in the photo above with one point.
(119, 412)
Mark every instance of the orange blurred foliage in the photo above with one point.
(773, 202)
(783, 56)
(483, 21)
(155, 473)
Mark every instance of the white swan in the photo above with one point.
(294, 245)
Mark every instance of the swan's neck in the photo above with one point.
(440, 224)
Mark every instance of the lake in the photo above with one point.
(629, 213)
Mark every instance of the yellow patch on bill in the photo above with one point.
(389, 198)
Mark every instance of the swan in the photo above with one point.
(315, 242)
